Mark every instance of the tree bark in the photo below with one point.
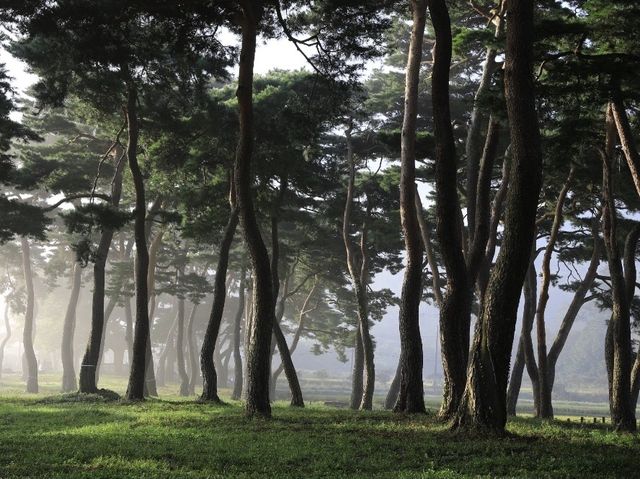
(209, 375)
(357, 373)
(237, 328)
(622, 412)
(455, 312)
(259, 350)
(483, 405)
(89, 366)
(141, 339)
(27, 334)
(128, 335)
(411, 395)
(431, 258)
(182, 370)
(66, 349)
(193, 356)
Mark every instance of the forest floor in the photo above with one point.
(45, 436)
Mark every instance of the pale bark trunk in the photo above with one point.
(66, 349)
(27, 334)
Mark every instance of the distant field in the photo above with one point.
(47, 437)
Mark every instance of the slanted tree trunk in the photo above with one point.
(394, 389)
(359, 278)
(545, 410)
(5, 340)
(27, 334)
(285, 357)
(237, 327)
(141, 339)
(525, 344)
(66, 349)
(483, 405)
(193, 356)
(209, 376)
(89, 366)
(411, 395)
(455, 312)
(259, 350)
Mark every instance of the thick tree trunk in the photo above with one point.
(141, 339)
(259, 350)
(411, 395)
(89, 366)
(209, 375)
(27, 335)
(357, 373)
(545, 410)
(483, 405)
(193, 355)
(525, 345)
(66, 349)
(455, 313)
(622, 412)
(237, 334)
(5, 340)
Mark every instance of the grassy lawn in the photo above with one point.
(45, 437)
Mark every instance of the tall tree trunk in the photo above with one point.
(66, 349)
(394, 389)
(411, 395)
(431, 258)
(483, 405)
(455, 312)
(5, 340)
(162, 359)
(89, 366)
(141, 339)
(259, 350)
(27, 334)
(357, 372)
(193, 356)
(182, 370)
(525, 345)
(546, 407)
(237, 328)
(285, 357)
(622, 413)
(359, 278)
(209, 376)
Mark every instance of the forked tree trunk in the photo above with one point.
(209, 375)
(89, 366)
(359, 279)
(411, 395)
(66, 349)
(483, 405)
(545, 410)
(141, 339)
(525, 346)
(259, 350)
(27, 335)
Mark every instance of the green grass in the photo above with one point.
(181, 439)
